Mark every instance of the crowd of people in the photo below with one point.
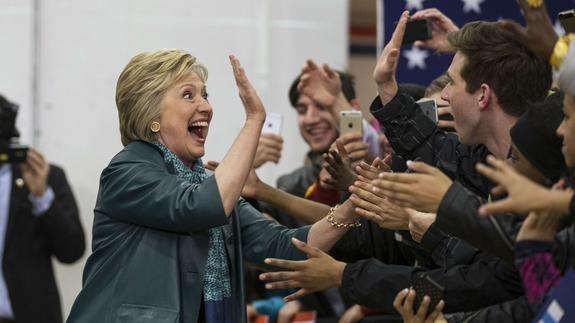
(477, 206)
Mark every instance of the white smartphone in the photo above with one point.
(429, 108)
(350, 121)
(273, 123)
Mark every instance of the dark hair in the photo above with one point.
(8, 112)
(534, 135)
(347, 87)
(437, 85)
(495, 57)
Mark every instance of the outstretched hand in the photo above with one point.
(522, 194)
(319, 272)
(421, 190)
(538, 35)
(386, 67)
(252, 103)
(441, 25)
(338, 165)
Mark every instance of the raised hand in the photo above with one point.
(368, 172)
(35, 172)
(522, 194)
(338, 165)
(377, 208)
(269, 149)
(252, 103)
(538, 35)
(441, 25)
(386, 67)
(322, 85)
(422, 190)
(319, 272)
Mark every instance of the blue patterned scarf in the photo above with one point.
(217, 286)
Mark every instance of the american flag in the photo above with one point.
(419, 65)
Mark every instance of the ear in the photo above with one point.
(484, 96)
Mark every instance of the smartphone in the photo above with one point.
(567, 20)
(425, 285)
(273, 123)
(419, 29)
(14, 154)
(350, 121)
(429, 108)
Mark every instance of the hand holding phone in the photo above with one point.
(425, 285)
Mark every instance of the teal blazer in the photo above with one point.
(150, 243)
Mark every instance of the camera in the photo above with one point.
(10, 150)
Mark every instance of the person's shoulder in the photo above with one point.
(56, 170)
(138, 150)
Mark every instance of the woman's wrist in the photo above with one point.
(256, 118)
(343, 217)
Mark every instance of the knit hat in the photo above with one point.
(535, 137)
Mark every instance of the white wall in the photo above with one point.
(83, 46)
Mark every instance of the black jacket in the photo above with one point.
(477, 281)
(457, 215)
(31, 241)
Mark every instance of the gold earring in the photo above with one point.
(155, 126)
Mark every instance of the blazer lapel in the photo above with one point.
(19, 203)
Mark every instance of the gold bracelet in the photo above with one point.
(560, 50)
(331, 220)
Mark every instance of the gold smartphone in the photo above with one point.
(350, 121)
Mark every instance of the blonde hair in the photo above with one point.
(142, 85)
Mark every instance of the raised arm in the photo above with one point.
(234, 168)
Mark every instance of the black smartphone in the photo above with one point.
(567, 20)
(425, 285)
(429, 108)
(419, 29)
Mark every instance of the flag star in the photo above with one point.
(558, 28)
(416, 57)
(472, 5)
(414, 4)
